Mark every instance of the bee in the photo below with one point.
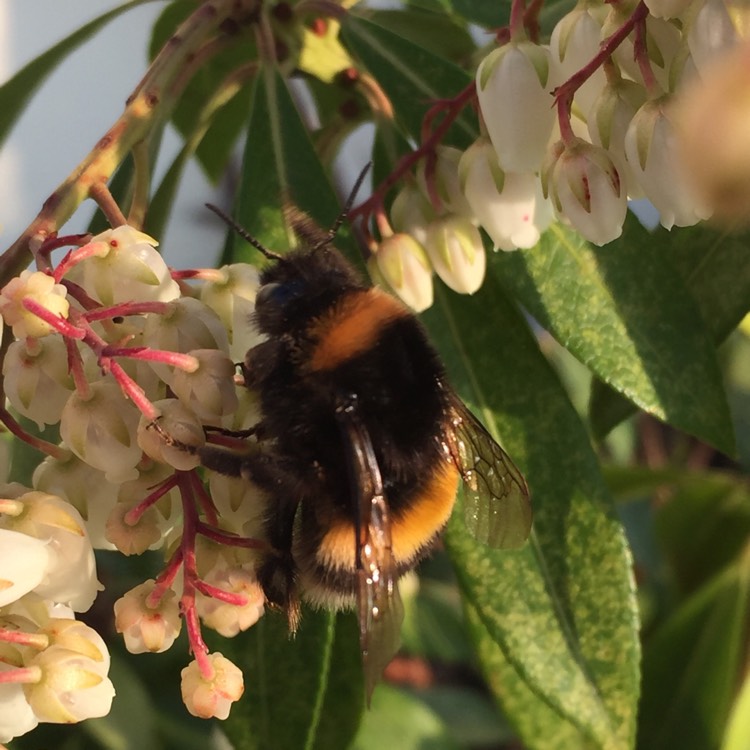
(361, 444)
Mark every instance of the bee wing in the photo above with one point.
(497, 509)
(379, 604)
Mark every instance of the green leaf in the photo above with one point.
(397, 719)
(15, 93)
(280, 162)
(562, 609)
(716, 272)
(488, 13)
(440, 33)
(412, 77)
(540, 725)
(704, 525)
(692, 663)
(302, 692)
(625, 313)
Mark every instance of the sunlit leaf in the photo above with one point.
(625, 312)
(562, 608)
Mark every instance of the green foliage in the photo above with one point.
(546, 640)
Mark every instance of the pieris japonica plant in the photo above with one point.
(120, 366)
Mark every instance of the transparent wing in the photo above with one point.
(379, 604)
(497, 509)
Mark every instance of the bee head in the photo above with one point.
(300, 286)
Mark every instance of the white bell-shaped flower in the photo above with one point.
(586, 190)
(228, 618)
(70, 577)
(445, 181)
(16, 715)
(575, 40)
(411, 212)
(99, 426)
(404, 266)
(455, 249)
(127, 269)
(208, 390)
(36, 378)
(513, 85)
(653, 155)
(710, 32)
(609, 119)
(24, 562)
(175, 439)
(509, 206)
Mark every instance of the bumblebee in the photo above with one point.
(361, 444)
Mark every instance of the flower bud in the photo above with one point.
(513, 86)
(651, 151)
(585, 188)
(445, 183)
(712, 117)
(36, 379)
(209, 391)
(510, 207)
(225, 618)
(145, 627)
(455, 248)
(403, 264)
(128, 269)
(99, 426)
(411, 212)
(575, 40)
(609, 119)
(177, 437)
(212, 697)
(40, 288)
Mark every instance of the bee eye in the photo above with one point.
(276, 294)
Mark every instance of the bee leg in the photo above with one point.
(278, 573)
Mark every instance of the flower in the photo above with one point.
(403, 263)
(455, 248)
(42, 289)
(513, 85)
(99, 426)
(145, 626)
(127, 268)
(652, 153)
(212, 696)
(209, 390)
(509, 206)
(586, 189)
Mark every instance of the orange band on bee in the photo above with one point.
(352, 327)
(419, 522)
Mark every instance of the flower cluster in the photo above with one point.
(570, 131)
(52, 667)
(107, 343)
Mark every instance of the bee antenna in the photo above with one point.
(242, 232)
(347, 207)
